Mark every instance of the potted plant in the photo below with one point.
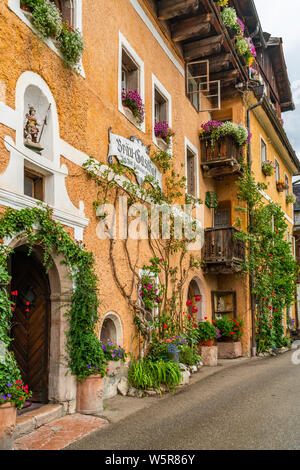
(90, 380)
(291, 199)
(206, 333)
(231, 21)
(13, 394)
(268, 168)
(163, 134)
(245, 49)
(281, 186)
(133, 104)
(231, 331)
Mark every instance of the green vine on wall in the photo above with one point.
(85, 355)
(269, 260)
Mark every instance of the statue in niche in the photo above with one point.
(31, 131)
(220, 305)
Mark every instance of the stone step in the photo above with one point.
(32, 420)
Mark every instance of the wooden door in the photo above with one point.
(30, 324)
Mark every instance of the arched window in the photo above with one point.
(66, 8)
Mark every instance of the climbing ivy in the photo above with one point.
(85, 355)
(269, 260)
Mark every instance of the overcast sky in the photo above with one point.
(281, 19)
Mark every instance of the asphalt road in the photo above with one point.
(253, 405)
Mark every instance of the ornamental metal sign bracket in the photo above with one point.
(135, 155)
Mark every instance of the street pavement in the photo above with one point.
(252, 405)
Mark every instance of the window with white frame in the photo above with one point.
(130, 72)
(191, 172)
(161, 115)
(277, 171)
(67, 9)
(149, 282)
(263, 151)
(286, 180)
(131, 81)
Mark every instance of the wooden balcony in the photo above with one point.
(223, 253)
(221, 160)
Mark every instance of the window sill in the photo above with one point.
(129, 115)
(25, 16)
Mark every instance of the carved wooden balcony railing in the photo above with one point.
(221, 160)
(223, 253)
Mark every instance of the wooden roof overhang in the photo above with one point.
(197, 31)
(275, 49)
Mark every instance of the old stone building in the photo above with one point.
(180, 58)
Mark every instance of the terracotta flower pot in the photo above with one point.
(209, 342)
(8, 416)
(90, 395)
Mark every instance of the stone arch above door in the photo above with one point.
(61, 384)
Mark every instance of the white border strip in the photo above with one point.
(156, 35)
(271, 200)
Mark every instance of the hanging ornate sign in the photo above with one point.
(211, 200)
(135, 155)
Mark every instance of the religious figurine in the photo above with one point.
(221, 305)
(31, 131)
(31, 127)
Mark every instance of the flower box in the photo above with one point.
(281, 186)
(130, 116)
(229, 350)
(89, 399)
(8, 416)
(162, 144)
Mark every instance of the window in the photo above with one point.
(191, 173)
(263, 151)
(160, 105)
(130, 77)
(33, 185)
(67, 10)
(130, 72)
(222, 215)
(191, 169)
(204, 94)
(277, 171)
(286, 180)
(161, 110)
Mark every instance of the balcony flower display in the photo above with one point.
(132, 100)
(215, 130)
(246, 49)
(268, 168)
(162, 130)
(232, 22)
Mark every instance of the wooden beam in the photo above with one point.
(172, 8)
(218, 63)
(191, 27)
(203, 48)
(226, 75)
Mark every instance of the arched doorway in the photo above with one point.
(194, 298)
(30, 329)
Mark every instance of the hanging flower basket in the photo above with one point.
(281, 186)
(268, 168)
(291, 199)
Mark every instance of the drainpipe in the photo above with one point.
(251, 280)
